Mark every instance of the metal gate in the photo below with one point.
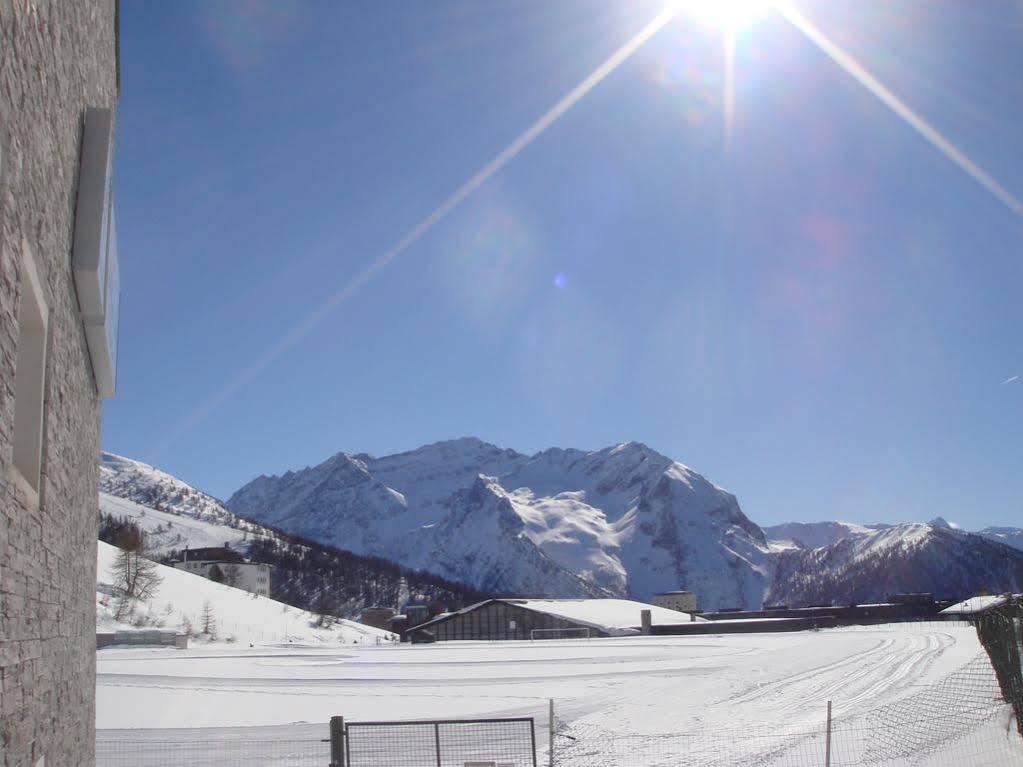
(434, 743)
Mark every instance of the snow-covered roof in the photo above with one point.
(616, 617)
(610, 615)
(976, 605)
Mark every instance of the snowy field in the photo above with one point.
(755, 698)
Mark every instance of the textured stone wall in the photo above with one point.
(56, 58)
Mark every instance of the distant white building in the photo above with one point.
(227, 566)
(682, 601)
(979, 605)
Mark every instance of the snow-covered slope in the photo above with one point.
(173, 514)
(622, 520)
(812, 535)
(307, 573)
(147, 486)
(1010, 536)
(911, 557)
(181, 597)
(168, 531)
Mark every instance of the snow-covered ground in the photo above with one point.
(240, 617)
(643, 692)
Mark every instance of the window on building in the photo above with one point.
(29, 374)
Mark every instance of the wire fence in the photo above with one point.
(215, 747)
(848, 746)
(416, 744)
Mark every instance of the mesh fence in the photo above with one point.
(850, 746)
(508, 742)
(213, 748)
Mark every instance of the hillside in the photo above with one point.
(913, 557)
(813, 535)
(1010, 536)
(307, 574)
(181, 598)
(148, 486)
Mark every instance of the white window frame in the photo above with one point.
(30, 377)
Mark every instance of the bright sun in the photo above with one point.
(730, 14)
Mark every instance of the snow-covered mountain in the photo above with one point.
(622, 520)
(912, 557)
(1010, 536)
(168, 532)
(148, 486)
(174, 515)
(812, 535)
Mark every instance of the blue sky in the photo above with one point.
(818, 312)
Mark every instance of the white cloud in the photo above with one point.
(1010, 380)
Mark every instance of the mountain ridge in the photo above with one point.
(913, 557)
(629, 519)
(621, 520)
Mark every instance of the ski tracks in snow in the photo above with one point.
(861, 680)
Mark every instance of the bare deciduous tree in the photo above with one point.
(136, 577)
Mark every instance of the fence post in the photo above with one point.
(827, 741)
(337, 741)
(550, 732)
(436, 740)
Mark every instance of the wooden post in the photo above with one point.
(337, 741)
(436, 741)
(645, 621)
(550, 732)
(827, 740)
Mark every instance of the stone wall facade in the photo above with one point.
(57, 57)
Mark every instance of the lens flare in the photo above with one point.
(452, 202)
(727, 14)
(926, 130)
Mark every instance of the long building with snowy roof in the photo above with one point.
(979, 605)
(498, 619)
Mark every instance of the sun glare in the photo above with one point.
(727, 14)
